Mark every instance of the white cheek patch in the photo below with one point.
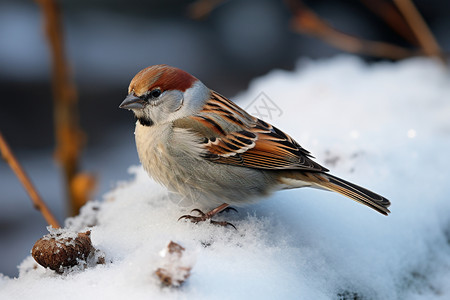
(192, 101)
(174, 104)
(181, 104)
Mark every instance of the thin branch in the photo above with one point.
(38, 203)
(420, 28)
(307, 22)
(389, 13)
(69, 136)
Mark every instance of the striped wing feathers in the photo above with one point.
(232, 136)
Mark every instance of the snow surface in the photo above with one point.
(385, 126)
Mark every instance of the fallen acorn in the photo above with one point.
(58, 251)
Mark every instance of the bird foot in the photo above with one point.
(207, 216)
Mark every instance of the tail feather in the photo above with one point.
(332, 183)
(357, 193)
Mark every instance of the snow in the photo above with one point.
(385, 126)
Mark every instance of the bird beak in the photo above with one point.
(132, 102)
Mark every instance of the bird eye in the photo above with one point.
(155, 93)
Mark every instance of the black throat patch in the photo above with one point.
(145, 121)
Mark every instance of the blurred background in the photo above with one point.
(106, 42)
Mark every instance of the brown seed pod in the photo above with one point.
(60, 250)
(175, 270)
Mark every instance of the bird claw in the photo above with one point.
(204, 217)
(222, 223)
(194, 219)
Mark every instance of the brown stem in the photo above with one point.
(307, 22)
(389, 13)
(69, 136)
(419, 27)
(38, 203)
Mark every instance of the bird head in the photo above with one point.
(160, 94)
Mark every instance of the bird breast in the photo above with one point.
(173, 158)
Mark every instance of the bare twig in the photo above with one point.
(389, 13)
(38, 203)
(69, 136)
(200, 9)
(307, 22)
(419, 27)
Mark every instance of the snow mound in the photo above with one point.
(385, 126)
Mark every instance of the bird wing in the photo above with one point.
(229, 135)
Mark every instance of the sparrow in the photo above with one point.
(203, 146)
